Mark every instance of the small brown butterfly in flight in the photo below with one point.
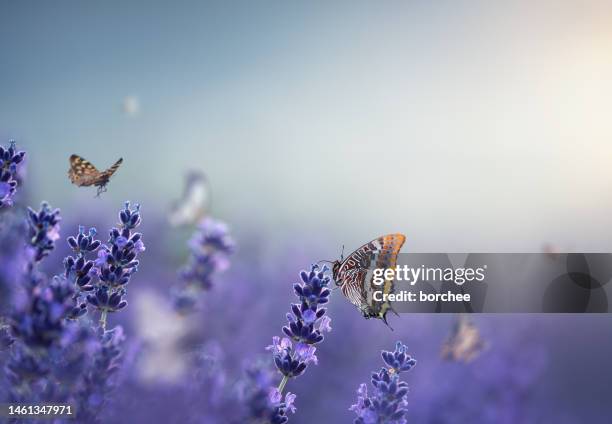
(84, 174)
(351, 274)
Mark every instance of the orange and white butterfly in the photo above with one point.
(83, 174)
(354, 278)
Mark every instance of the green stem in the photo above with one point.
(103, 319)
(282, 384)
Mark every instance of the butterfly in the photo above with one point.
(464, 343)
(195, 202)
(354, 278)
(84, 174)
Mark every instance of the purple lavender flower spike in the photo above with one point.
(10, 159)
(388, 402)
(79, 270)
(38, 323)
(210, 249)
(398, 360)
(116, 262)
(306, 324)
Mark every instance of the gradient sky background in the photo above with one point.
(467, 125)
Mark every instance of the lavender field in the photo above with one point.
(127, 328)
(177, 180)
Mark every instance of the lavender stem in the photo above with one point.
(103, 316)
(282, 384)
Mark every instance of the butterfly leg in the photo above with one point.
(101, 189)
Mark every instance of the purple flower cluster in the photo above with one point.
(52, 356)
(210, 249)
(116, 263)
(43, 231)
(388, 402)
(306, 324)
(10, 159)
(79, 270)
(38, 323)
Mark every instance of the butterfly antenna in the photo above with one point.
(342, 254)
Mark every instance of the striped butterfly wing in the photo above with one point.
(355, 278)
(109, 172)
(82, 172)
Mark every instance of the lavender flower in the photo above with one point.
(388, 402)
(38, 322)
(306, 324)
(105, 279)
(265, 402)
(210, 249)
(116, 262)
(6, 340)
(79, 270)
(12, 260)
(291, 360)
(280, 406)
(10, 159)
(43, 230)
(101, 376)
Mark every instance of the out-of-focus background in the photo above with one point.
(466, 125)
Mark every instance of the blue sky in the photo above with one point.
(467, 125)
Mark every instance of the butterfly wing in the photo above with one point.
(82, 172)
(105, 176)
(195, 202)
(355, 278)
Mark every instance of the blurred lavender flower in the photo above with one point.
(12, 259)
(6, 340)
(210, 249)
(100, 378)
(388, 403)
(10, 159)
(38, 322)
(306, 324)
(116, 262)
(43, 231)
(264, 402)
